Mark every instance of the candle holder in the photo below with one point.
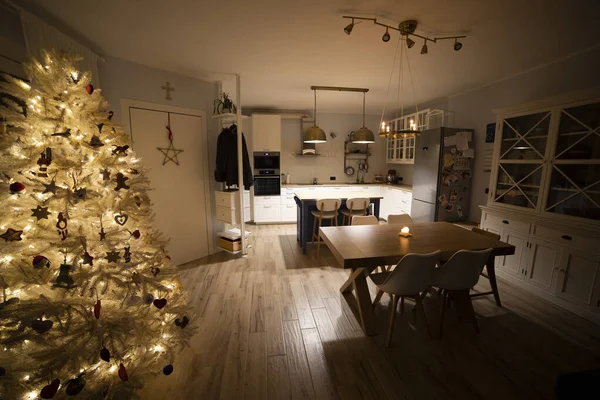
(405, 232)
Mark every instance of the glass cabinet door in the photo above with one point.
(518, 184)
(525, 137)
(409, 148)
(575, 170)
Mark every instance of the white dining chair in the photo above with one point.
(365, 220)
(326, 209)
(411, 277)
(354, 206)
(399, 219)
(456, 277)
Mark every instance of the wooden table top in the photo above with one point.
(373, 245)
(305, 195)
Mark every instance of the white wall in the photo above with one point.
(127, 80)
(474, 109)
(331, 161)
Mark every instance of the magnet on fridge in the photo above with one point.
(449, 207)
(443, 200)
(459, 210)
(453, 196)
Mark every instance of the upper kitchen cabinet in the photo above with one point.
(547, 160)
(266, 132)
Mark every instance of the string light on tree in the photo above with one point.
(78, 253)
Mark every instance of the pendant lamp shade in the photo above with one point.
(364, 134)
(315, 134)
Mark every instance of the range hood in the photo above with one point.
(306, 149)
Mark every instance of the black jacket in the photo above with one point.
(227, 165)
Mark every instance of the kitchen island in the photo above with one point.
(306, 201)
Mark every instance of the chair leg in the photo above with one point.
(377, 298)
(402, 305)
(319, 238)
(392, 319)
(314, 227)
(419, 306)
(442, 313)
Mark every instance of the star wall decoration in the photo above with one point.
(40, 212)
(112, 256)
(50, 187)
(170, 149)
(12, 235)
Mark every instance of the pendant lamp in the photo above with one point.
(315, 134)
(364, 134)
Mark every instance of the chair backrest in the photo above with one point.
(412, 274)
(364, 220)
(357, 203)
(486, 233)
(462, 270)
(399, 219)
(328, 204)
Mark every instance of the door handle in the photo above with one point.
(566, 237)
(505, 221)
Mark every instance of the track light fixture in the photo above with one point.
(386, 36)
(457, 45)
(349, 27)
(406, 28)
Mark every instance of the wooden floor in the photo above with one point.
(275, 326)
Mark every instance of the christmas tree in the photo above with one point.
(90, 304)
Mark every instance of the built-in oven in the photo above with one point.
(267, 180)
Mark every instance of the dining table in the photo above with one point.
(361, 249)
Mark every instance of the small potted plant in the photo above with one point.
(224, 105)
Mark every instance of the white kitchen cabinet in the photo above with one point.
(516, 263)
(542, 263)
(578, 280)
(227, 207)
(266, 132)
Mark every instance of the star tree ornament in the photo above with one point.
(77, 285)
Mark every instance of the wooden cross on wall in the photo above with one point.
(168, 89)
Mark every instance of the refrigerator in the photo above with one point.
(442, 175)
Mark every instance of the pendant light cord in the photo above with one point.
(315, 117)
(364, 94)
(413, 89)
(387, 95)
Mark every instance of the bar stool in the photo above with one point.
(326, 209)
(354, 206)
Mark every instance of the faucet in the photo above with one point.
(314, 181)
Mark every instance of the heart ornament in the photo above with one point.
(160, 303)
(121, 219)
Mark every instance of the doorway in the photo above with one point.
(180, 193)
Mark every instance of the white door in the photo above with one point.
(515, 264)
(579, 275)
(178, 194)
(544, 258)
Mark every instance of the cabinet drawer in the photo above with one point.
(508, 222)
(230, 199)
(267, 213)
(230, 216)
(289, 213)
(267, 200)
(566, 238)
(288, 200)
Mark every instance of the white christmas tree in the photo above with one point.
(90, 304)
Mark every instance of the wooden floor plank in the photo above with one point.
(278, 385)
(305, 317)
(300, 379)
(319, 370)
(255, 386)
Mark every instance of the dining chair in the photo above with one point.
(399, 219)
(354, 206)
(410, 278)
(456, 277)
(326, 209)
(364, 220)
(490, 235)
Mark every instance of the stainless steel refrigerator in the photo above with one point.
(442, 175)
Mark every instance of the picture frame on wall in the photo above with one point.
(490, 133)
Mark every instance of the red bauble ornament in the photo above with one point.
(105, 354)
(89, 88)
(97, 308)
(123, 373)
(160, 303)
(50, 390)
(40, 262)
(17, 188)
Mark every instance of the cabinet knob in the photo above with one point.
(505, 221)
(566, 237)
(562, 270)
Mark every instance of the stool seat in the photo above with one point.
(325, 214)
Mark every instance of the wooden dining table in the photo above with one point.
(363, 248)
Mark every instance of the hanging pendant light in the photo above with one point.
(364, 134)
(315, 134)
(388, 130)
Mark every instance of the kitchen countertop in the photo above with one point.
(349, 184)
(340, 194)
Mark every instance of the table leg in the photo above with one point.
(347, 286)
(491, 270)
(365, 307)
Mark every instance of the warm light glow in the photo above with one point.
(31, 395)
(113, 368)
(26, 377)
(158, 348)
(75, 75)
(405, 231)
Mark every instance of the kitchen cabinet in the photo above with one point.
(516, 263)
(267, 209)
(578, 280)
(266, 132)
(227, 207)
(401, 148)
(542, 263)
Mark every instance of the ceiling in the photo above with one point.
(282, 47)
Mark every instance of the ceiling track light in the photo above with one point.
(406, 28)
(386, 36)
